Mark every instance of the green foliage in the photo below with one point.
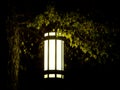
(90, 38)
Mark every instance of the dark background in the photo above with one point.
(105, 12)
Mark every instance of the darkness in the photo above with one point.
(100, 11)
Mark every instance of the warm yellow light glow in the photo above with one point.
(52, 54)
(62, 55)
(58, 75)
(46, 34)
(62, 76)
(59, 34)
(50, 34)
(45, 54)
(51, 75)
(59, 55)
(46, 76)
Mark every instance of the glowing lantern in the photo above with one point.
(53, 56)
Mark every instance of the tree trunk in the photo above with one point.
(14, 55)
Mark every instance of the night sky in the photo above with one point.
(106, 12)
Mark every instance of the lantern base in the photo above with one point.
(54, 76)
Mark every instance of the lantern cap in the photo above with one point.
(49, 34)
(52, 34)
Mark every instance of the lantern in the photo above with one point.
(53, 55)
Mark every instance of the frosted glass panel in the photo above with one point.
(45, 54)
(62, 76)
(58, 75)
(62, 54)
(46, 34)
(52, 54)
(51, 75)
(58, 54)
(51, 33)
(46, 76)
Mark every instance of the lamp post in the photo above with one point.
(53, 55)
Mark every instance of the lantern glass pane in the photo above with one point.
(51, 75)
(52, 54)
(51, 33)
(62, 76)
(45, 54)
(45, 76)
(59, 55)
(58, 75)
(46, 34)
(62, 54)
